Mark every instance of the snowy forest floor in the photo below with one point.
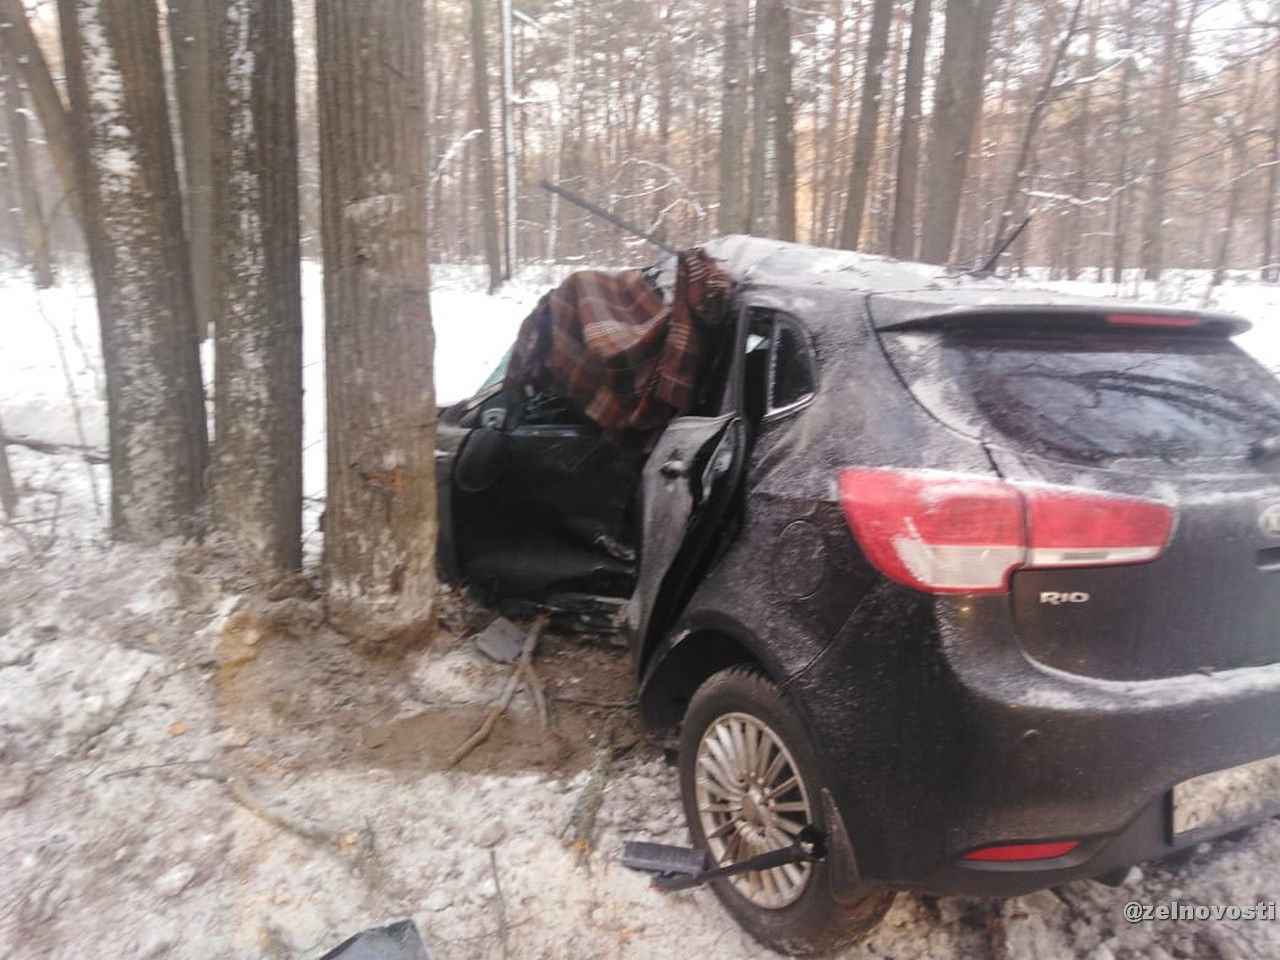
(188, 769)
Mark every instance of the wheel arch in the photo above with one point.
(691, 654)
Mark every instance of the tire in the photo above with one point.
(791, 911)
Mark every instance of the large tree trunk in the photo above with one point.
(730, 217)
(190, 27)
(133, 224)
(34, 229)
(864, 148)
(761, 214)
(1270, 255)
(957, 103)
(44, 96)
(902, 233)
(485, 175)
(256, 303)
(380, 520)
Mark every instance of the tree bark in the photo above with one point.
(133, 224)
(1018, 176)
(761, 217)
(34, 228)
(902, 233)
(48, 105)
(1177, 47)
(485, 175)
(864, 148)
(8, 491)
(1270, 266)
(380, 521)
(256, 300)
(190, 26)
(733, 111)
(956, 107)
(778, 53)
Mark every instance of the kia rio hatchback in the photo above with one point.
(980, 583)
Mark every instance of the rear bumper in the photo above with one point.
(943, 737)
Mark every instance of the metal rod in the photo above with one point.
(604, 214)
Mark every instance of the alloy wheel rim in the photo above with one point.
(751, 799)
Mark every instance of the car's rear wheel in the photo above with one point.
(750, 781)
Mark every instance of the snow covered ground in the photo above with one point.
(180, 778)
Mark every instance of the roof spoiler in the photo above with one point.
(1071, 316)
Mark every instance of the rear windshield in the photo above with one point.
(1097, 399)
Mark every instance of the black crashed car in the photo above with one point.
(981, 582)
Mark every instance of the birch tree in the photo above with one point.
(133, 226)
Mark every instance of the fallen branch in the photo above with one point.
(90, 454)
(534, 685)
(307, 831)
(501, 903)
(504, 701)
(583, 819)
(594, 701)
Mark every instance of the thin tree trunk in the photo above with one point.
(956, 106)
(485, 175)
(830, 136)
(380, 520)
(189, 29)
(1044, 97)
(864, 148)
(256, 304)
(133, 224)
(1270, 255)
(1122, 187)
(34, 229)
(48, 105)
(8, 490)
(509, 137)
(730, 217)
(1177, 48)
(760, 218)
(778, 53)
(902, 233)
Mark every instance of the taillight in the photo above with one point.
(1024, 851)
(955, 533)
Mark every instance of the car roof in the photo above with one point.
(906, 294)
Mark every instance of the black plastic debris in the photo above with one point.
(501, 640)
(663, 858)
(396, 941)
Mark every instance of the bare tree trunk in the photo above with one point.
(1075, 222)
(759, 215)
(733, 125)
(1176, 50)
(380, 521)
(1122, 188)
(1270, 255)
(956, 107)
(778, 53)
(133, 224)
(902, 233)
(8, 491)
(509, 137)
(35, 232)
(256, 306)
(1044, 97)
(189, 30)
(485, 175)
(864, 148)
(48, 105)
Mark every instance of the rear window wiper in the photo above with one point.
(1265, 448)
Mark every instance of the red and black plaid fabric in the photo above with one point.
(608, 344)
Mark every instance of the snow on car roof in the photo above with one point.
(908, 292)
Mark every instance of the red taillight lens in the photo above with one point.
(1024, 851)
(956, 533)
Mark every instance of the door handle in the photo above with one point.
(673, 469)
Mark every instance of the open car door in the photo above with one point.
(687, 489)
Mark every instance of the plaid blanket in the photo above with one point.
(608, 344)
